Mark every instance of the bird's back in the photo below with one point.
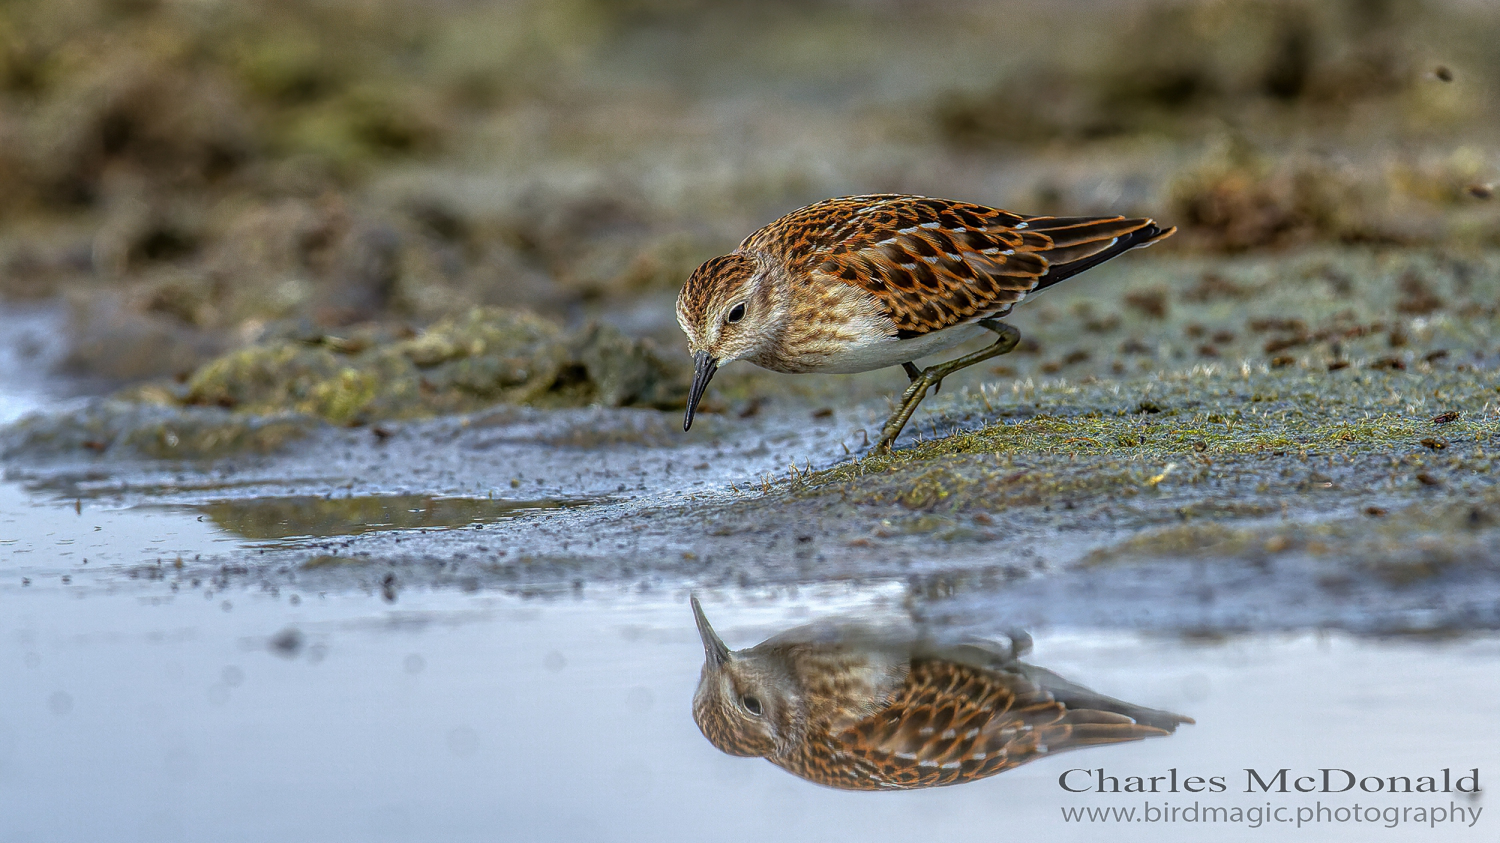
(936, 263)
(954, 721)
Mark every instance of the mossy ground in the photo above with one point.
(1212, 412)
(483, 357)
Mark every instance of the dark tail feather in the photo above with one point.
(1082, 243)
(1103, 710)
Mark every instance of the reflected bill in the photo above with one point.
(863, 707)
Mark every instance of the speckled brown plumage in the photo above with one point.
(863, 282)
(861, 708)
(931, 263)
(935, 263)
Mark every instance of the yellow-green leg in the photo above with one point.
(933, 375)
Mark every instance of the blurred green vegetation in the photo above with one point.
(197, 176)
(457, 365)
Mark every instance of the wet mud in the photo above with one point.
(1323, 423)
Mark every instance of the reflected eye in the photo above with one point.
(751, 704)
(735, 314)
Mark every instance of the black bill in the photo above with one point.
(704, 366)
(713, 647)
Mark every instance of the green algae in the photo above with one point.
(260, 398)
(1372, 372)
(1345, 418)
(131, 430)
(1349, 410)
(1416, 543)
(298, 519)
(483, 357)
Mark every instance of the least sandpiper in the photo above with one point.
(863, 707)
(864, 282)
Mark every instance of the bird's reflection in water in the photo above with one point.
(862, 707)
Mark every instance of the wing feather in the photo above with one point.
(936, 263)
(953, 722)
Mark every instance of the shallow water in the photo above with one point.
(31, 342)
(448, 716)
(43, 536)
(296, 519)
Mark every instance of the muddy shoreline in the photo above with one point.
(1332, 468)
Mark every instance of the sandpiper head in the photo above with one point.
(738, 705)
(724, 312)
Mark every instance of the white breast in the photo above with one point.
(889, 351)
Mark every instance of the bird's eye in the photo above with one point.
(751, 704)
(735, 314)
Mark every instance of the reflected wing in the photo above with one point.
(953, 723)
(935, 263)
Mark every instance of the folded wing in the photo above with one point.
(936, 263)
(953, 722)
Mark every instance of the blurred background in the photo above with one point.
(195, 175)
